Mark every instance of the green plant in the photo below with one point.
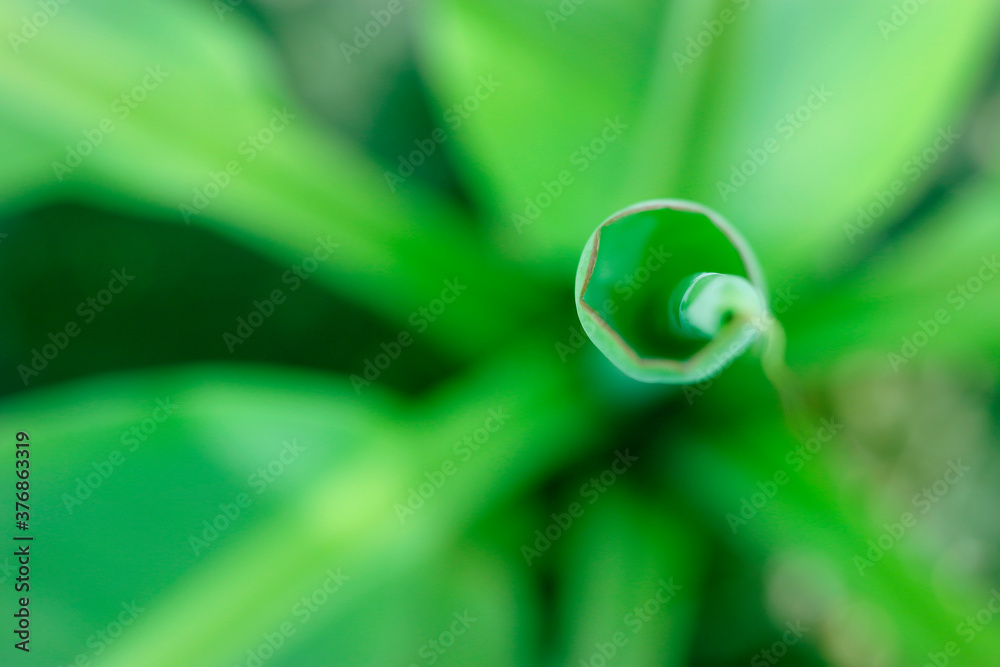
(677, 321)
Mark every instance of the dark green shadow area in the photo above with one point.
(190, 287)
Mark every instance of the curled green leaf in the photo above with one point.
(670, 292)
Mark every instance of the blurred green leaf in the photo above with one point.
(631, 577)
(211, 116)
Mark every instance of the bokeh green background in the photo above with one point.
(566, 112)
